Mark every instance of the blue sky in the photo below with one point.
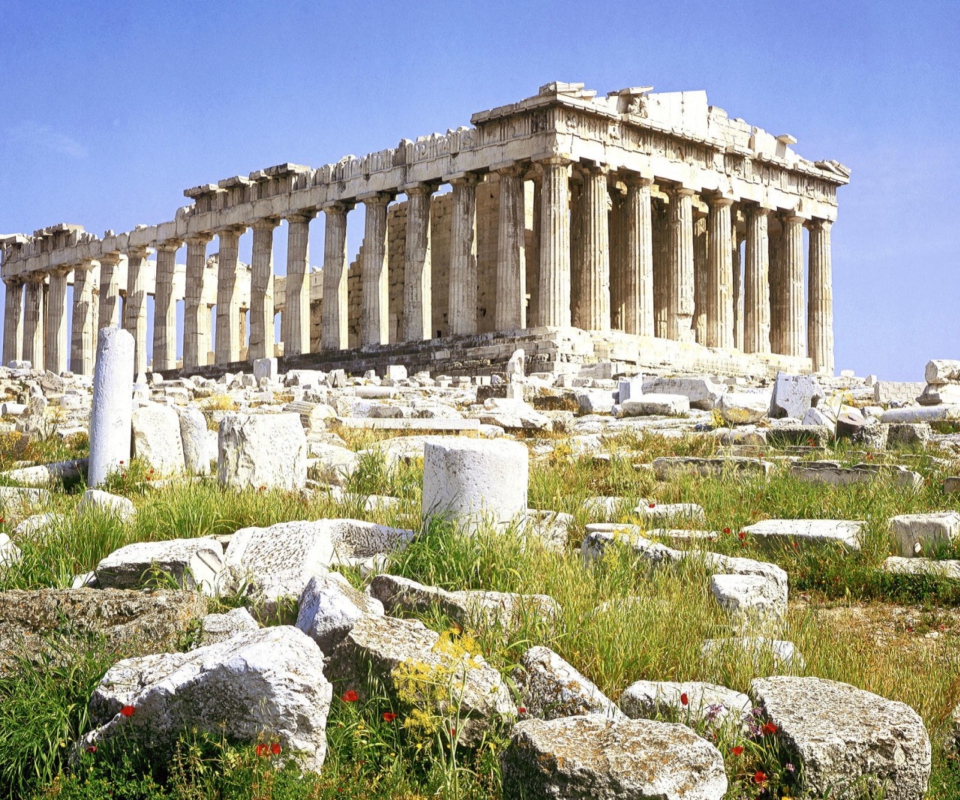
(110, 110)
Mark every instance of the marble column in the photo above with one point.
(334, 334)
(196, 314)
(794, 335)
(33, 322)
(13, 321)
(164, 307)
(720, 319)
(680, 275)
(638, 258)
(778, 284)
(554, 299)
(576, 247)
(83, 333)
(262, 336)
(55, 358)
(135, 306)
(617, 239)
(756, 295)
(417, 274)
(510, 313)
(659, 216)
(374, 275)
(108, 313)
(820, 297)
(701, 270)
(228, 344)
(737, 290)
(533, 222)
(594, 289)
(295, 321)
(462, 308)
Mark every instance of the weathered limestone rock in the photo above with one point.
(262, 450)
(843, 737)
(665, 513)
(513, 415)
(17, 502)
(268, 683)
(939, 394)
(329, 607)
(38, 525)
(265, 368)
(741, 408)
(832, 473)
(784, 532)
(752, 602)
(551, 687)
(594, 757)
(595, 402)
(412, 659)
(194, 441)
(923, 566)
(668, 405)
(110, 417)
(48, 474)
(917, 414)
(941, 371)
(157, 439)
(9, 553)
(669, 467)
(192, 563)
(108, 503)
(706, 702)
(34, 422)
(794, 395)
(916, 533)
(701, 393)
(905, 433)
(333, 464)
(469, 480)
(552, 528)
(216, 628)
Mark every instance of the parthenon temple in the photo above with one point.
(636, 226)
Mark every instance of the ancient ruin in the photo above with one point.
(637, 227)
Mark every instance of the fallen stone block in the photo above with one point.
(785, 532)
(38, 525)
(268, 450)
(794, 395)
(700, 392)
(714, 705)
(552, 528)
(670, 512)
(830, 472)
(48, 474)
(157, 440)
(917, 533)
(941, 371)
(216, 628)
(436, 424)
(666, 405)
(668, 467)
(106, 503)
(595, 402)
(192, 563)
(9, 553)
(908, 433)
(753, 603)
(17, 502)
(594, 757)
(742, 408)
(194, 438)
(332, 464)
(914, 414)
(550, 688)
(329, 607)
(757, 649)
(923, 566)
(939, 394)
(844, 739)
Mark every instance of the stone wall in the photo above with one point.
(886, 392)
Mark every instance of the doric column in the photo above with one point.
(756, 295)
(510, 311)
(135, 306)
(227, 349)
(638, 246)
(820, 297)
(83, 333)
(700, 277)
(164, 307)
(56, 322)
(680, 276)
(659, 216)
(196, 315)
(554, 307)
(374, 325)
(108, 312)
(462, 309)
(720, 321)
(417, 275)
(737, 291)
(13, 321)
(777, 283)
(261, 290)
(334, 335)
(595, 243)
(295, 322)
(33, 322)
(794, 341)
(576, 248)
(616, 240)
(533, 216)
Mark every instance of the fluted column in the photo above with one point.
(820, 297)
(462, 308)
(262, 336)
(33, 322)
(794, 338)
(375, 309)
(660, 216)
(737, 291)
(83, 328)
(680, 276)
(417, 273)
(778, 284)
(701, 269)
(594, 289)
(510, 313)
(227, 349)
(334, 335)
(196, 314)
(108, 313)
(135, 306)
(638, 258)
(164, 307)
(13, 322)
(756, 295)
(554, 305)
(55, 330)
(295, 322)
(720, 322)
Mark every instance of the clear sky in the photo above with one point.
(111, 110)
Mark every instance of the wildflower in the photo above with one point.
(350, 697)
(275, 748)
(726, 530)
(652, 505)
(684, 700)
(127, 711)
(759, 777)
(789, 767)
(742, 536)
(521, 709)
(453, 731)
(768, 729)
(92, 748)
(389, 716)
(713, 711)
(262, 750)
(737, 751)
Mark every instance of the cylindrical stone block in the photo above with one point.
(720, 322)
(33, 324)
(196, 314)
(638, 243)
(820, 302)
(510, 312)
(462, 311)
(594, 300)
(417, 280)
(554, 296)
(680, 275)
(112, 411)
(756, 294)
(375, 299)
(228, 342)
(261, 291)
(794, 339)
(335, 308)
(135, 306)
(13, 322)
(471, 480)
(164, 308)
(295, 321)
(56, 328)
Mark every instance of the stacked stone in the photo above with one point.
(943, 383)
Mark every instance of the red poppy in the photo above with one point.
(389, 716)
(350, 697)
(737, 751)
(742, 536)
(759, 777)
(453, 731)
(684, 699)
(262, 750)
(127, 711)
(652, 505)
(768, 728)
(92, 748)
(726, 530)
(275, 748)
(521, 709)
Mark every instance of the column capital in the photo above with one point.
(376, 198)
(511, 169)
(754, 210)
(301, 215)
(821, 224)
(110, 259)
(593, 167)
(420, 187)
(554, 160)
(137, 251)
(682, 191)
(237, 230)
(168, 246)
(462, 179)
(203, 237)
(719, 201)
(338, 206)
(791, 216)
(631, 178)
(265, 223)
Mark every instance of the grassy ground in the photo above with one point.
(898, 636)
